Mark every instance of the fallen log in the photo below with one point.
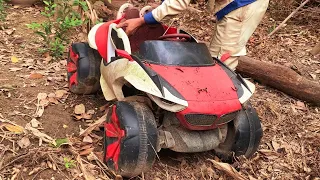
(281, 78)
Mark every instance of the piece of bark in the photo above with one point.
(315, 50)
(281, 78)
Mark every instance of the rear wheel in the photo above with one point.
(83, 66)
(243, 136)
(130, 138)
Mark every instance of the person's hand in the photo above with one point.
(131, 25)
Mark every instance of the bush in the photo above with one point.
(2, 10)
(61, 18)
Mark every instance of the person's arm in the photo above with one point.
(168, 7)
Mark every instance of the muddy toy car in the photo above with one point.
(168, 92)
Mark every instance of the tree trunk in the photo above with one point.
(281, 78)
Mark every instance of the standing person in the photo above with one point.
(236, 22)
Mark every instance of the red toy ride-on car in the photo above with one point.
(168, 92)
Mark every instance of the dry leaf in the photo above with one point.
(10, 31)
(54, 167)
(35, 170)
(252, 178)
(140, 99)
(228, 169)
(44, 102)
(87, 139)
(103, 108)
(275, 145)
(53, 100)
(49, 163)
(12, 127)
(293, 108)
(65, 126)
(42, 96)
(300, 105)
(83, 116)
(14, 59)
(80, 109)
(86, 152)
(60, 93)
(52, 95)
(86, 146)
(14, 69)
(40, 111)
(35, 76)
(78, 117)
(34, 123)
(86, 116)
(91, 112)
(91, 157)
(40, 135)
(269, 154)
(93, 126)
(313, 76)
(24, 142)
(99, 155)
(87, 175)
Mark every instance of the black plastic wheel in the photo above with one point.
(83, 66)
(130, 138)
(244, 135)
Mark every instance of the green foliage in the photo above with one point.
(2, 10)
(59, 142)
(69, 163)
(61, 17)
(272, 28)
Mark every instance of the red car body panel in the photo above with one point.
(207, 89)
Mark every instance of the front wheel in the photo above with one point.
(243, 136)
(83, 66)
(130, 138)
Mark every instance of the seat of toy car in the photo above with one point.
(143, 33)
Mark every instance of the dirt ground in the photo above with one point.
(290, 147)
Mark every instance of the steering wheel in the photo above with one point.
(175, 37)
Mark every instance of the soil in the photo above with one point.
(289, 147)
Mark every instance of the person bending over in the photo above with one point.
(236, 22)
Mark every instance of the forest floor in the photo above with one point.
(34, 93)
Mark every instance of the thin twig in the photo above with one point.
(173, 20)
(53, 161)
(13, 161)
(87, 175)
(103, 166)
(293, 13)
(39, 173)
